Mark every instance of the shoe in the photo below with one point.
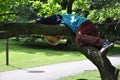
(38, 20)
(106, 47)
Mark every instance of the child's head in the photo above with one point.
(53, 40)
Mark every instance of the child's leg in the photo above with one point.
(89, 40)
(51, 20)
(88, 35)
(101, 44)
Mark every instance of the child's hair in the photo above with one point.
(53, 40)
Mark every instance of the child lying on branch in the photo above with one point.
(86, 31)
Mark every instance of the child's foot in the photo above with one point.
(38, 20)
(106, 47)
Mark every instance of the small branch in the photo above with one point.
(6, 14)
(117, 23)
(69, 7)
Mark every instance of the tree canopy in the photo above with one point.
(96, 10)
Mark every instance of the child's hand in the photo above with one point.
(32, 21)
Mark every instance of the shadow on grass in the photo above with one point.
(29, 71)
(15, 67)
(35, 71)
(39, 47)
(49, 50)
(42, 45)
(63, 47)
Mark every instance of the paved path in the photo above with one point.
(53, 72)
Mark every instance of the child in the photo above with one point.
(86, 31)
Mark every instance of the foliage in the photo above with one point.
(96, 10)
(6, 6)
(106, 12)
(79, 6)
(48, 8)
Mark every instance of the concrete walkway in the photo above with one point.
(53, 72)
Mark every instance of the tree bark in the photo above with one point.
(69, 7)
(15, 29)
(106, 69)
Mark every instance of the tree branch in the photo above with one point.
(106, 69)
(69, 7)
(5, 14)
(14, 29)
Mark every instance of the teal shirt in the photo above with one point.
(72, 21)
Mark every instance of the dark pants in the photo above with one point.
(87, 33)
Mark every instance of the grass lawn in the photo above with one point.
(87, 75)
(29, 56)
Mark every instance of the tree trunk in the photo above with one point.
(69, 7)
(106, 69)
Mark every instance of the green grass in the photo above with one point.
(29, 56)
(115, 50)
(87, 75)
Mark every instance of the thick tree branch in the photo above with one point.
(6, 14)
(106, 69)
(14, 29)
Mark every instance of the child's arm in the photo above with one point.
(32, 21)
(51, 20)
